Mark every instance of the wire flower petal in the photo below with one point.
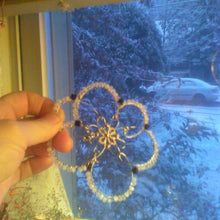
(106, 135)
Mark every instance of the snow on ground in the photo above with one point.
(210, 117)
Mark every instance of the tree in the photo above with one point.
(191, 34)
(203, 41)
(148, 3)
(116, 42)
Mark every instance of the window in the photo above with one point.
(138, 48)
(134, 47)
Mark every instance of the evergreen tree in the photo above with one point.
(116, 42)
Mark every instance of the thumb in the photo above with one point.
(41, 130)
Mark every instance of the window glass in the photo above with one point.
(173, 84)
(188, 83)
(138, 47)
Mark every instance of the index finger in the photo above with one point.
(16, 105)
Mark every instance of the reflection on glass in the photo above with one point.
(216, 66)
(158, 53)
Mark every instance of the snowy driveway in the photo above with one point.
(207, 114)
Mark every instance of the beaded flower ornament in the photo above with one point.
(106, 135)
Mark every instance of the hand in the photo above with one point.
(28, 137)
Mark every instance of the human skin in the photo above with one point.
(26, 137)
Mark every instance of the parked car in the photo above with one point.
(186, 89)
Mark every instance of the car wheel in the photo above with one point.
(199, 99)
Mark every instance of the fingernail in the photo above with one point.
(60, 115)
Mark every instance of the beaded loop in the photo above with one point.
(152, 161)
(82, 93)
(66, 167)
(107, 136)
(142, 110)
(108, 198)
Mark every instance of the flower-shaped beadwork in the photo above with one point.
(107, 136)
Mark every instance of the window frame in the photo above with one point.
(14, 7)
(47, 64)
(10, 60)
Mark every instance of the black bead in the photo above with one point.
(120, 101)
(77, 123)
(134, 170)
(89, 167)
(73, 96)
(146, 126)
